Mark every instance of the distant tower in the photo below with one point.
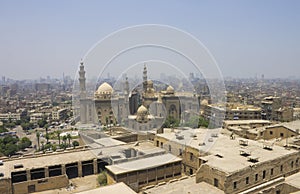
(145, 78)
(87, 106)
(126, 88)
(82, 81)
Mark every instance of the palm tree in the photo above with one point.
(69, 137)
(42, 142)
(47, 137)
(38, 135)
(65, 139)
(58, 136)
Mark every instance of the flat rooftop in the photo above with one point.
(108, 141)
(144, 163)
(225, 153)
(294, 180)
(187, 185)
(111, 189)
(201, 139)
(41, 161)
(222, 152)
(144, 147)
(239, 122)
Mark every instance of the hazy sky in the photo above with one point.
(247, 38)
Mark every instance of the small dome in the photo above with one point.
(104, 88)
(142, 114)
(170, 90)
(142, 110)
(204, 102)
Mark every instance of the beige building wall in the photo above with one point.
(189, 155)
(5, 186)
(277, 132)
(256, 174)
(41, 184)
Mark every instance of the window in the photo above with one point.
(180, 152)
(281, 168)
(234, 185)
(157, 143)
(264, 174)
(247, 180)
(272, 171)
(191, 156)
(161, 144)
(278, 192)
(170, 148)
(216, 182)
(261, 133)
(256, 177)
(271, 132)
(292, 164)
(281, 135)
(191, 171)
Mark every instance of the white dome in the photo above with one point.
(104, 88)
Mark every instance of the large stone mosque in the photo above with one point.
(138, 110)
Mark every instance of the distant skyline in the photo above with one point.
(247, 38)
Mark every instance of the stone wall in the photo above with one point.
(41, 184)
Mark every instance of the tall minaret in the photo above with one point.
(82, 81)
(145, 78)
(126, 88)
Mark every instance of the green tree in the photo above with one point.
(24, 143)
(10, 149)
(75, 143)
(47, 136)
(38, 135)
(42, 142)
(170, 122)
(102, 178)
(58, 136)
(42, 123)
(65, 139)
(3, 129)
(69, 137)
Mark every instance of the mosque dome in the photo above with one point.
(170, 90)
(105, 88)
(142, 110)
(142, 114)
(204, 102)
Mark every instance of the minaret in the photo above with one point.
(82, 81)
(145, 78)
(126, 88)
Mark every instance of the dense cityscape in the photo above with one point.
(150, 97)
(160, 138)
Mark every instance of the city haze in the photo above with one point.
(247, 38)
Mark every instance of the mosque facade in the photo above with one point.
(138, 110)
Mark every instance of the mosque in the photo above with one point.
(138, 110)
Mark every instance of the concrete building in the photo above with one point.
(143, 172)
(188, 144)
(269, 107)
(59, 114)
(236, 165)
(217, 113)
(111, 189)
(10, 116)
(252, 124)
(275, 131)
(40, 172)
(182, 185)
